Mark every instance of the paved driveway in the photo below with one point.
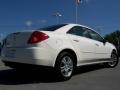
(93, 77)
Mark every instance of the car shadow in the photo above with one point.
(13, 77)
(88, 68)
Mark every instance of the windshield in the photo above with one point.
(52, 28)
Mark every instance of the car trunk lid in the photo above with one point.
(17, 39)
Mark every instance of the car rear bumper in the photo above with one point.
(27, 61)
(32, 55)
(24, 66)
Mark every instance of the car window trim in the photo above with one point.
(89, 33)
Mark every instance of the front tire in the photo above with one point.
(65, 65)
(113, 61)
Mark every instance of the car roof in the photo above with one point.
(79, 25)
(68, 26)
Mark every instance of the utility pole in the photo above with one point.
(76, 10)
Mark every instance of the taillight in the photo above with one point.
(37, 37)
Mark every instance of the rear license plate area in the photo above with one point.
(10, 53)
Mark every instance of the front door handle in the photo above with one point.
(97, 44)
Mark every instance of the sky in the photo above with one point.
(18, 15)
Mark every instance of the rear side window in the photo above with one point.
(53, 27)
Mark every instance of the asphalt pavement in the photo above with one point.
(94, 77)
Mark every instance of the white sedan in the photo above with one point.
(63, 47)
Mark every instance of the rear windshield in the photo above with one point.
(52, 28)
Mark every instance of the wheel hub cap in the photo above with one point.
(66, 66)
(113, 60)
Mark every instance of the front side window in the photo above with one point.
(96, 36)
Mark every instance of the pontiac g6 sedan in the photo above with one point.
(63, 47)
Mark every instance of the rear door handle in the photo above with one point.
(76, 40)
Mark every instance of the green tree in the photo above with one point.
(114, 38)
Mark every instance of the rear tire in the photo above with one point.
(65, 66)
(113, 61)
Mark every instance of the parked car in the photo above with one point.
(63, 47)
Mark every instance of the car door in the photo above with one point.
(101, 48)
(82, 43)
